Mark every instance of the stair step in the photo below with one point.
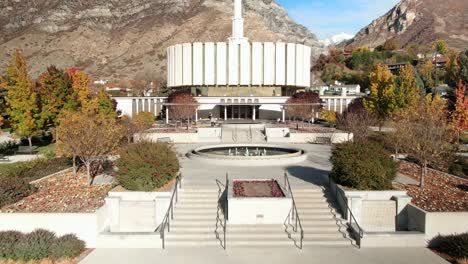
(194, 217)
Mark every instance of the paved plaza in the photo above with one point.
(215, 255)
(311, 174)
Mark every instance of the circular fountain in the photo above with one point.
(248, 155)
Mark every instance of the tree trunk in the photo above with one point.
(423, 174)
(435, 74)
(74, 165)
(396, 153)
(30, 144)
(88, 171)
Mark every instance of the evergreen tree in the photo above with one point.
(382, 100)
(463, 64)
(452, 69)
(54, 91)
(21, 99)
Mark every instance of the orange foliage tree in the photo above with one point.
(460, 114)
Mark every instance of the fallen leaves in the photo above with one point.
(63, 193)
(441, 193)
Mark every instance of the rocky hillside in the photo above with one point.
(128, 38)
(419, 22)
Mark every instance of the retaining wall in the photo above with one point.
(85, 226)
(435, 223)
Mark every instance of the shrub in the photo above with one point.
(363, 165)
(452, 245)
(8, 239)
(34, 169)
(35, 245)
(8, 147)
(67, 246)
(14, 189)
(145, 166)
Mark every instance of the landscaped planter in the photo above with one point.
(257, 202)
(357, 201)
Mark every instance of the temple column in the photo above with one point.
(167, 115)
(283, 115)
(225, 113)
(254, 113)
(196, 115)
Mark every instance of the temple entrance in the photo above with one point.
(239, 111)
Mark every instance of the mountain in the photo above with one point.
(419, 22)
(128, 38)
(336, 39)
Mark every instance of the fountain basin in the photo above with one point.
(248, 155)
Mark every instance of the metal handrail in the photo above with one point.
(293, 213)
(226, 210)
(170, 211)
(218, 219)
(348, 210)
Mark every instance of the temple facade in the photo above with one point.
(235, 80)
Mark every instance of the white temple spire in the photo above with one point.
(238, 24)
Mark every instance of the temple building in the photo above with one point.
(233, 80)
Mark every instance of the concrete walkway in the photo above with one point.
(348, 255)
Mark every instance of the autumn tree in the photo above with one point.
(425, 132)
(54, 90)
(357, 120)
(139, 123)
(452, 69)
(459, 116)
(303, 105)
(21, 99)
(184, 105)
(88, 136)
(440, 47)
(382, 100)
(408, 90)
(426, 72)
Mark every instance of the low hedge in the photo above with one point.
(14, 189)
(363, 165)
(38, 245)
(453, 245)
(34, 169)
(146, 166)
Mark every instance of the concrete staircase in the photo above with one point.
(194, 218)
(242, 135)
(195, 222)
(322, 224)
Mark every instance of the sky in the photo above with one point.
(327, 18)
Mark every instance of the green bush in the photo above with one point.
(8, 147)
(38, 245)
(363, 165)
(145, 166)
(14, 189)
(67, 246)
(8, 240)
(35, 245)
(452, 245)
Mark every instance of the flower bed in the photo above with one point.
(441, 193)
(268, 188)
(65, 193)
